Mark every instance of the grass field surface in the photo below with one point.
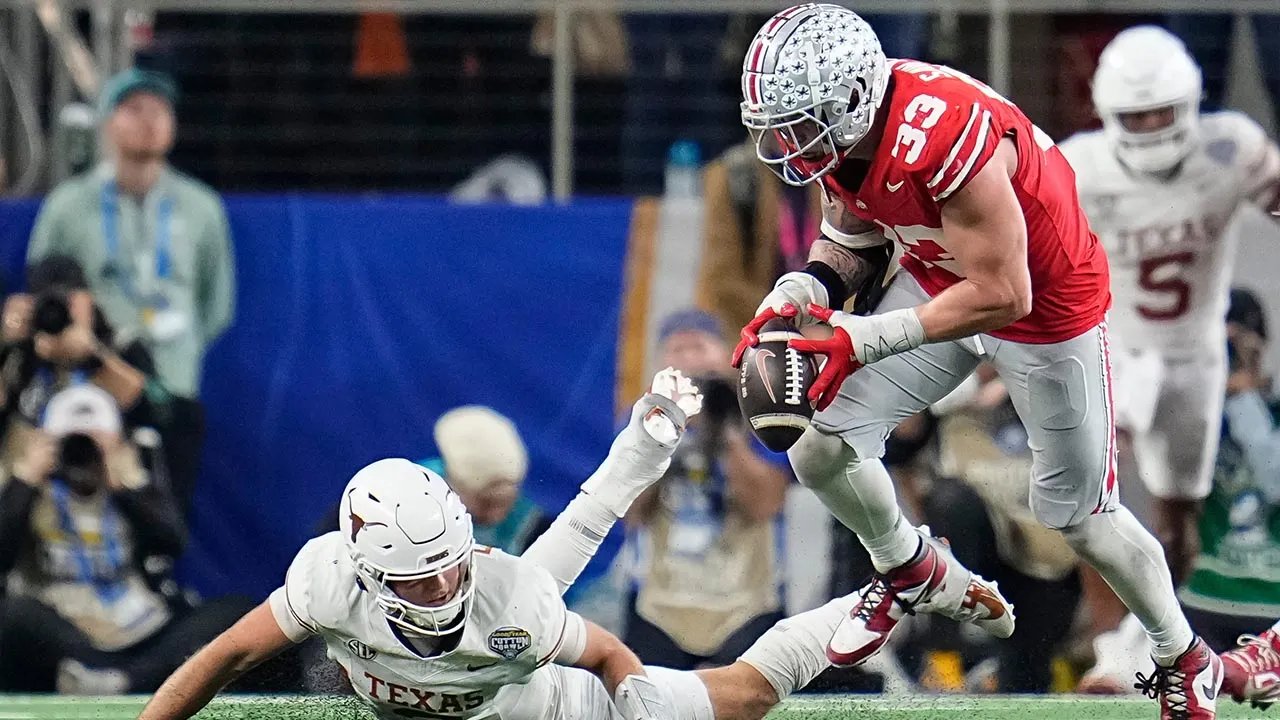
(811, 707)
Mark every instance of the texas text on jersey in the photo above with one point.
(515, 625)
(1170, 255)
(943, 127)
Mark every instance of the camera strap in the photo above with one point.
(48, 382)
(108, 591)
(140, 290)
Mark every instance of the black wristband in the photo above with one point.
(837, 294)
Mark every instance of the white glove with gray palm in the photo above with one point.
(642, 451)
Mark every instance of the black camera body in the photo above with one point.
(51, 313)
(81, 463)
(719, 404)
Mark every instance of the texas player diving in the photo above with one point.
(427, 624)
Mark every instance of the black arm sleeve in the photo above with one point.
(154, 407)
(868, 293)
(16, 500)
(852, 272)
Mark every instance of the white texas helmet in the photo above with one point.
(401, 521)
(812, 81)
(1147, 68)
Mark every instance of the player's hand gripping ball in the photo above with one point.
(773, 385)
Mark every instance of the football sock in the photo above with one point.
(688, 694)
(794, 651)
(1133, 564)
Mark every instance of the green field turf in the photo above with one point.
(818, 707)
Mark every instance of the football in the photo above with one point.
(773, 381)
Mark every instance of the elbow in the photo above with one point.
(1020, 305)
(1012, 302)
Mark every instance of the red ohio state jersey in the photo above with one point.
(943, 127)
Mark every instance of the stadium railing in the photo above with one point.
(22, 40)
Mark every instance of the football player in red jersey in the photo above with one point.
(1000, 266)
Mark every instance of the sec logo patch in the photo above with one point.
(360, 650)
(510, 641)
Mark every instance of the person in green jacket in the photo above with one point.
(155, 246)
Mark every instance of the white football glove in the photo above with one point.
(639, 698)
(798, 289)
(642, 451)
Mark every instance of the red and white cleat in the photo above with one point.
(933, 582)
(1187, 689)
(1252, 670)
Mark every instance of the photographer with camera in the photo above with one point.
(55, 336)
(708, 535)
(79, 515)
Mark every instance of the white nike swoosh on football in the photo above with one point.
(893, 187)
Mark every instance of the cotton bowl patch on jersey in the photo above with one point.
(773, 382)
(510, 641)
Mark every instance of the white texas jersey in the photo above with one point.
(1170, 257)
(514, 626)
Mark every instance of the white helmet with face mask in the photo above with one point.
(402, 522)
(1146, 69)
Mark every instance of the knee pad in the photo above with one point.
(1070, 465)
(1056, 511)
(819, 458)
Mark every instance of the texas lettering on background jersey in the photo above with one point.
(515, 625)
(943, 127)
(1171, 256)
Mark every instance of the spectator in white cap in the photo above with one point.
(79, 518)
(485, 462)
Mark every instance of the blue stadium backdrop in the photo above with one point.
(359, 321)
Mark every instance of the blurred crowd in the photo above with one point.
(130, 279)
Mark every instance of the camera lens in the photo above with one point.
(79, 451)
(51, 314)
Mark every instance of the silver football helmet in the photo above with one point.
(812, 81)
(1146, 70)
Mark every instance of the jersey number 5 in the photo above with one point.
(922, 113)
(1162, 275)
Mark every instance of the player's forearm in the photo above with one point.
(572, 540)
(970, 307)
(854, 270)
(193, 685)
(617, 665)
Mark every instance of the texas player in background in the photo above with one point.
(1160, 184)
(1001, 265)
(426, 624)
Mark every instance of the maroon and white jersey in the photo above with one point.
(1171, 258)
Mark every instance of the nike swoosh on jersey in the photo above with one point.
(472, 667)
(893, 187)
